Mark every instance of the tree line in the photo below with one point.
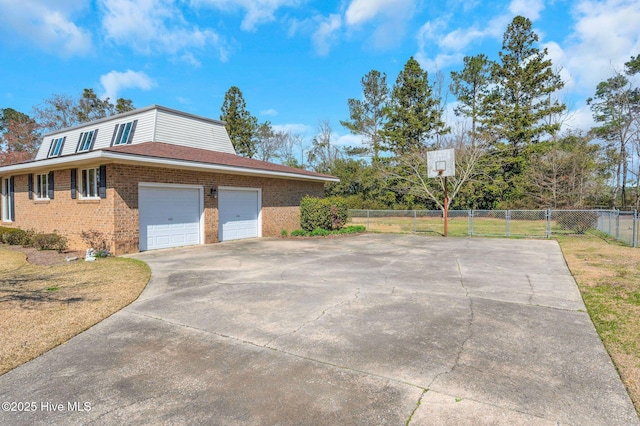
(21, 134)
(511, 149)
(507, 133)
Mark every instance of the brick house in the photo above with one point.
(152, 178)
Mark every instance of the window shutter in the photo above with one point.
(74, 175)
(115, 132)
(79, 141)
(50, 191)
(93, 139)
(133, 130)
(102, 189)
(30, 185)
(62, 145)
(12, 203)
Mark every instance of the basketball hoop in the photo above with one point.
(441, 164)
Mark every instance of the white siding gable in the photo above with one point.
(172, 127)
(153, 124)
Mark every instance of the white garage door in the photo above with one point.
(239, 213)
(169, 217)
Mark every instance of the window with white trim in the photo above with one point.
(123, 133)
(86, 140)
(7, 201)
(89, 183)
(42, 186)
(56, 147)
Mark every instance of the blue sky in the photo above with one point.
(296, 61)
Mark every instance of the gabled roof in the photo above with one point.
(159, 154)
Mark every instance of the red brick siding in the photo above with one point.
(62, 214)
(117, 215)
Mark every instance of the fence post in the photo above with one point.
(470, 224)
(548, 223)
(634, 242)
(618, 225)
(415, 229)
(368, 219)
(507, 217)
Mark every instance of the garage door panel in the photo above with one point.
(239, 213)
(169, 217)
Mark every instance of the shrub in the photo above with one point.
(577, 221)
(354, 229)
(319, 232)
(284, 233)
(324, 213)
(298, 233)
(27, 238)
(51, 241)
(12, 236)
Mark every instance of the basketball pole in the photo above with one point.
(446, 208)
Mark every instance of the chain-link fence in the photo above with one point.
(624, 226)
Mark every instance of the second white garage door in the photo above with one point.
(239, 211)
(169, 216)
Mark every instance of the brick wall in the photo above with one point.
(62, 214)
(280, 199)
(117, 215)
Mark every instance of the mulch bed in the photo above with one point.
(46, 257)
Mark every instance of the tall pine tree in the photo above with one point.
(413, 115)
(518, 111)
(367, 116)
(518, 108)
(470, 86)
(240, 124)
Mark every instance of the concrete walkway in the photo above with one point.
(373, 329)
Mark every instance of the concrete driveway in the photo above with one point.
(373, 329)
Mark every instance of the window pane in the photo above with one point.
(5, 199)
(125, 134)
(92, 182)
(41, 186)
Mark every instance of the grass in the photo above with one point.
(44, 306)
(458, 226)
(608, 276)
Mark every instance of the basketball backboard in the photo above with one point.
(441, 163)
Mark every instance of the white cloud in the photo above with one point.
(257, 11)
(579, 119)
(115, 81)
(325, 34)
(457, 40)
(527, 8)
(294, 128)
(150, 26)
(362, 11)
(604, 36)
(46, 23)
(347, 140)
(440, 62)
(388, 17)
(269, 112)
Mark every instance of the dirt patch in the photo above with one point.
(47, 300)
(46, 257)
